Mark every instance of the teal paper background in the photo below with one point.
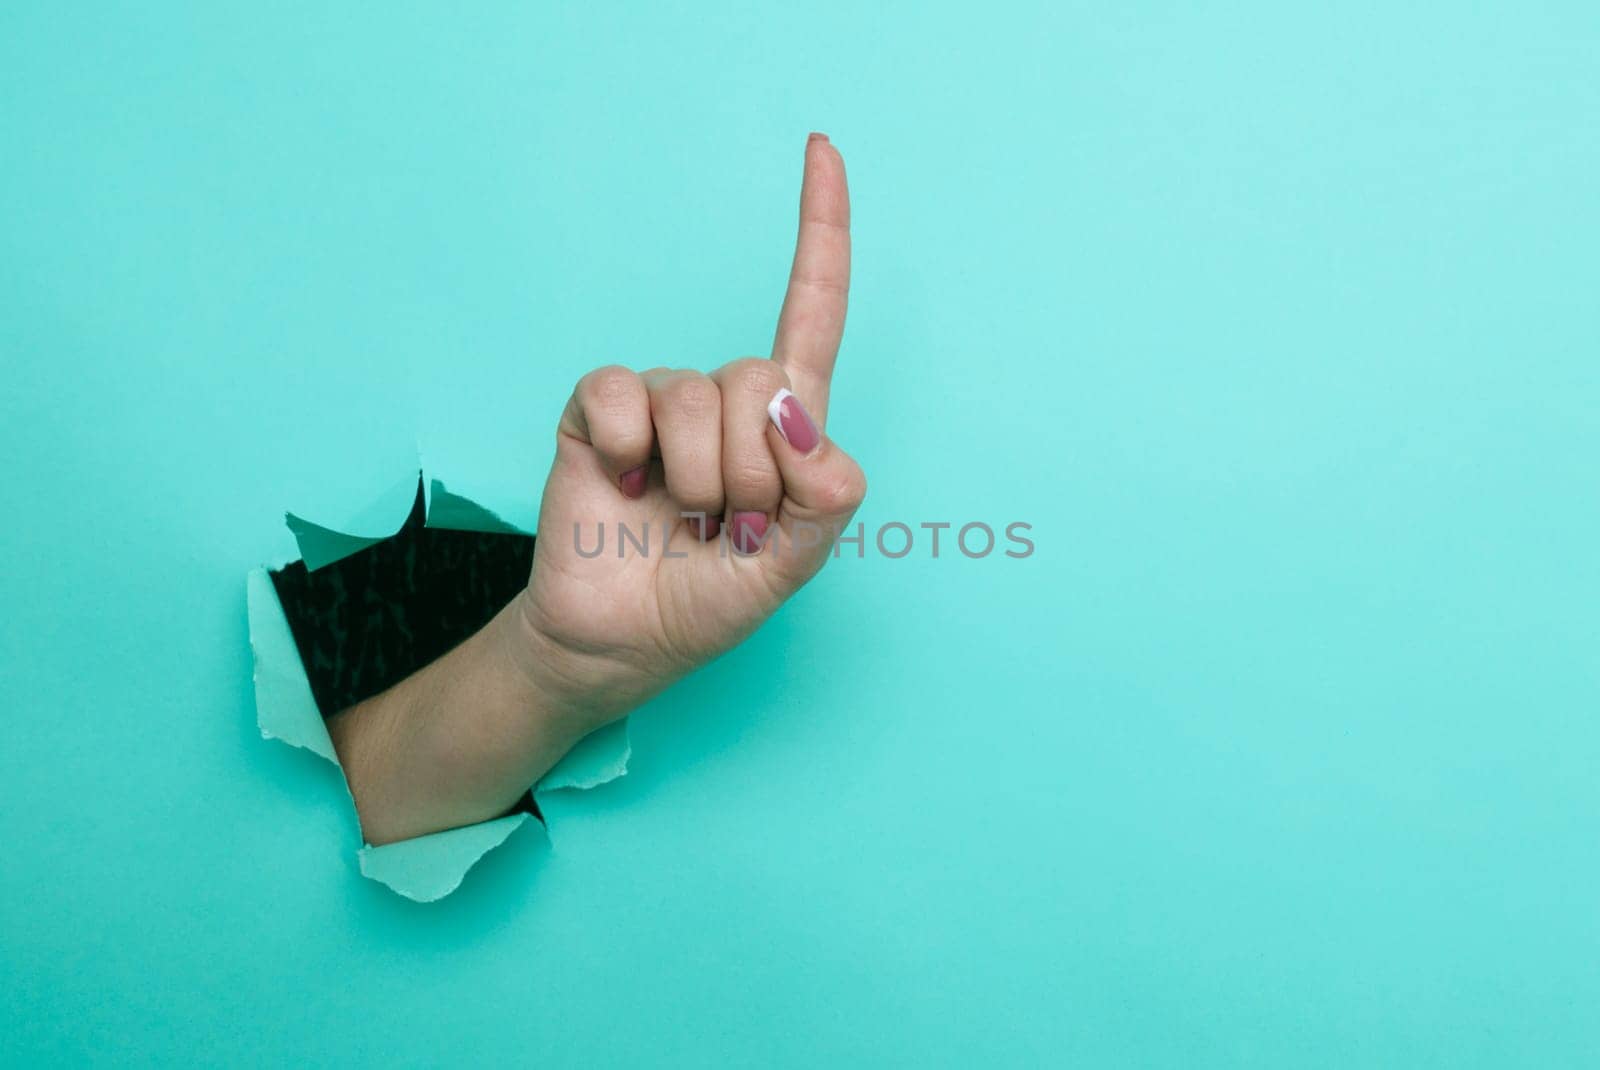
(1278, 323)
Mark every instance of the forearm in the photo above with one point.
(457, 742)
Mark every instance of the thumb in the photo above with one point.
(822, 488)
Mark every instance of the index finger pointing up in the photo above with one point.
(812, 320)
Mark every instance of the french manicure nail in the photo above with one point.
(749, 532)
(793, 422)
(632, 482)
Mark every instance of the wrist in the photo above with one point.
(574, 691)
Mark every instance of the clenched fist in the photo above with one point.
(682, 509)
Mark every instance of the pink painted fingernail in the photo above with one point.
(749, 531)
(793, 422)
(706, 527)
(632, 482)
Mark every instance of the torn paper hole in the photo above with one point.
(359, 612)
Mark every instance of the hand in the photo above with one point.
(638, 451)
(743, 450)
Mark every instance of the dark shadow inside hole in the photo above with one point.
(367, 621)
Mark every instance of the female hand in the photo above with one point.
(731, 495)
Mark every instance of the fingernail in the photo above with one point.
(706, 527)
(793, 422)
(817, 136)
(632, 482)
(749, 529)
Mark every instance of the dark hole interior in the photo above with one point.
(369, 620)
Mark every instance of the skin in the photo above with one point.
(590, 639)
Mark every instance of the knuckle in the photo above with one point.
(735, 368)
(610, 387)
(843, 491)
(758, 377)
(693, 396)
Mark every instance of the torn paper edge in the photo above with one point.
(285, 708)
(598, 758)
(430, 867)
(321, 545)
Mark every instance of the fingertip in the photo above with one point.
(824, 191)
(748, 532)
(632, 482)
(820, 148)
(822, 153)
(794, 423)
